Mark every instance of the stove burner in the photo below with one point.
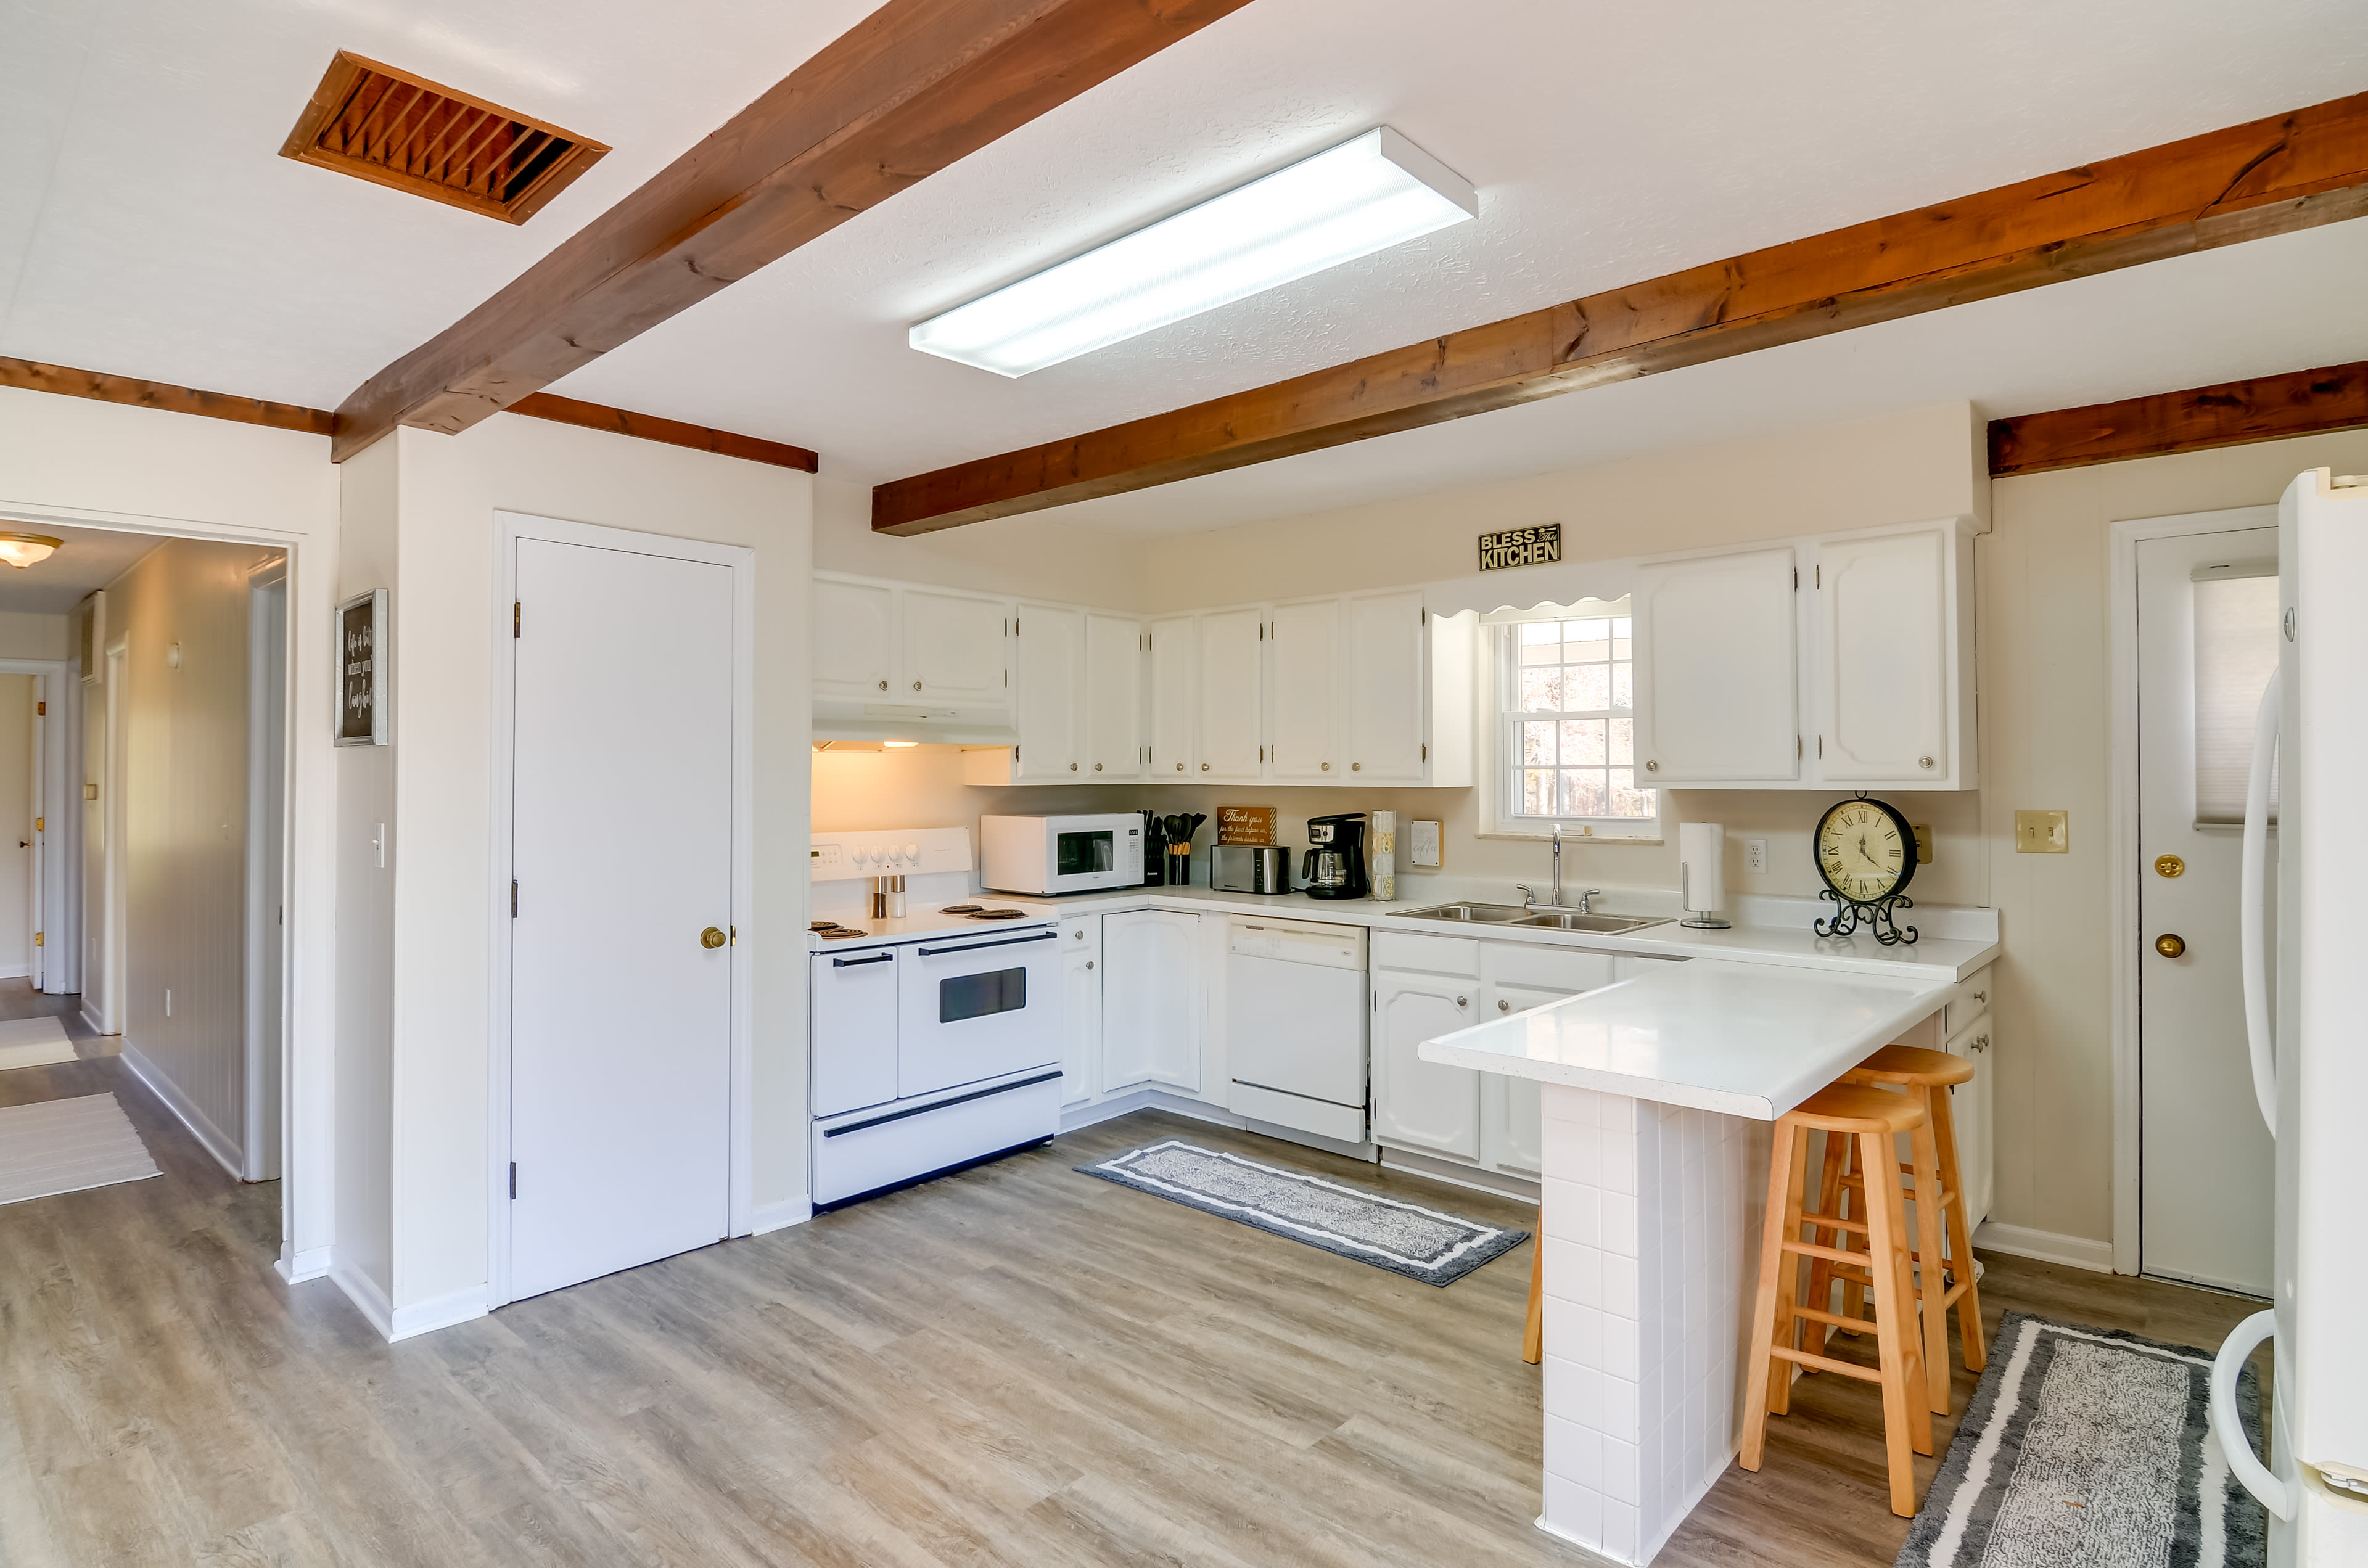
(996, 914)
(822, 925)
(841, 933)
(961, 909)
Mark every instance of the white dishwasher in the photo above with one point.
(1295, 1025)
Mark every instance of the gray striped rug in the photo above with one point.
(2086, 1447)
(53, 1146)
(34, 1042)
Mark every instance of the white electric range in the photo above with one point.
(937, 1034)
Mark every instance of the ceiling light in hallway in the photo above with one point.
(1367, 194)
(21, 551)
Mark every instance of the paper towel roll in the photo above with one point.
(1701, 868)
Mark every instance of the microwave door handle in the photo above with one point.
(981, 947)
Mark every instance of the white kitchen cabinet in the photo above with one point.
(1892, 637)
(952, 648)
(1970, 1110)
(1175, 653)
(1420, 1105)
(855, 639)
(1304, 642)
(1515, 978)
(1112, 720)
(1383, 711)
(1228, 699)
(1081, 1008)
(1153, 999)
(1048, 674)
(1718, 669)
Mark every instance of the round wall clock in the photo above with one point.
(1866, 853)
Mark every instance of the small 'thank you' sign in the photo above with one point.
(361, 670)
(1539, 546)
(1246, 825)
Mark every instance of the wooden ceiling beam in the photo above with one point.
(2265, 408)
(911, 89)
(2272, 176)
(33, 376)
(672, 432)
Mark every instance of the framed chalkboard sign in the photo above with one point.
(361, 670)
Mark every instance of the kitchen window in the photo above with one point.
(1565, 747)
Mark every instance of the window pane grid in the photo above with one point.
(1571, 741)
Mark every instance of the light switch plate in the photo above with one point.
(1422, 845)
(2042, 833)
(1923, 832)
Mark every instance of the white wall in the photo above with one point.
(1043, 554)
(184, 776)
(17, 914)
(442, 492)
(98, 464)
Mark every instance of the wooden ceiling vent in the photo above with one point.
(394, 129)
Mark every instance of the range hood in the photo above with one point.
(852, 719)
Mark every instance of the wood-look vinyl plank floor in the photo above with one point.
(1017, 1367)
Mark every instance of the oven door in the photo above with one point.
(973, 1008)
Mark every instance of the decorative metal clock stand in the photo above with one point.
(1881, 918)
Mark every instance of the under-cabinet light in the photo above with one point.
(1367, 194)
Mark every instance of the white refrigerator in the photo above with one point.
(2307, 1011)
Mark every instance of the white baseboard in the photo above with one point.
(769, 1217)
(1149, 1099)
(2019, 1241)
(224, 1151)
(403, 1322)
(1497, 1184)
(364, 1293)
(310, 1263)
(15, 970)
(97, 1025)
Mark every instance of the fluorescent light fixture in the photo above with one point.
(1365, 195)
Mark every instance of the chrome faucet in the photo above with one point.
(1554, 894)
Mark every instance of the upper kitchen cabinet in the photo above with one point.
(1843, 661)
(1718, 669)
(1381, 686)
(953, 648)
(1228, 697)
(1174, 652)
(1112, 697)
(1048, 688)
(855, 637)
(1892, 662)
(1304, 639)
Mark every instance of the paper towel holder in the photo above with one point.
(1699, 922)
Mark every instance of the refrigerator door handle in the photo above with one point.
(2229, 1427)
(2253, 914)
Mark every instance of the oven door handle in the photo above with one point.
(982, 947)
(851, 964)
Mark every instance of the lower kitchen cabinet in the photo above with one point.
(1970, 1113)
(1418, 1104)
(1081, 1009)
(1153, 1000)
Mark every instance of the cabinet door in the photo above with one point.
(1306, 647)
(1382, 688)
(854, 639)
(1970, 1112)
(1174, 649)
(953, 649)
(1514, 1137)
(1049, 661)
(1113, 698)
(1883, 658)
(1717, 669)
(1081, 1015)
(1151, 999)
(1230, 699)
(1418, 1104)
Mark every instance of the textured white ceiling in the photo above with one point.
(89, 559)
(147, 225)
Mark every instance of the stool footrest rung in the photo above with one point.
(1827, 1364)
(1842, 1321)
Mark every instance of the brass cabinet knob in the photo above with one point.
(1090, 963)
(1924, 762)
(2170, 945)
(1652, 768)
(1098, 768)
(1504, 1006)
(1073, 767)
(2169, 866)
(1356, 768)
(712, 937)
(883, 686)
(1204, 767)
(1462, 1001)
(1327, 767)
(917, 685)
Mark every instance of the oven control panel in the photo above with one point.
(839, 856)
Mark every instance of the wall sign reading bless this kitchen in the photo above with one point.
(361, 670)
(1539, 546)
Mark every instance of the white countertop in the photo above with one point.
(1930, 962)
(1751, 1040)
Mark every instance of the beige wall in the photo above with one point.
(1043, 556)
(183, 780)
(24, 635)
(16, 915)
(443, 572)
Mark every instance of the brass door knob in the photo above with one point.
(712, 937)
(2170, 946)
(2168, 866)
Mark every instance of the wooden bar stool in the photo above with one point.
(1940, 1221)
(1870, 1119)
(1533, 1334)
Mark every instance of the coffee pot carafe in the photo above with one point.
(1335, 867)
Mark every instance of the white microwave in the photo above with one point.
(1057, 855)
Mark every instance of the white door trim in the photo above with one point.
(53, 846)
(741, 562)
(2123, 858)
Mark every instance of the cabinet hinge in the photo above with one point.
(1796, 748)
(514, 898)
(1821, 748)
(1426, 751)
(517, 616)
(513, 1178)
(1426, 615)
(1818, 579)
(41, 710)
(1796, 579)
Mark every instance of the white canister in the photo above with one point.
(1383, 869)
(1701, 872)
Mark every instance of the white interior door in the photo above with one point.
(622, 832)
(2206, 1185)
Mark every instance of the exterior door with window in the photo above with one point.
(2207, 643)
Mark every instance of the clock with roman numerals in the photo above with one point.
(1866, 853)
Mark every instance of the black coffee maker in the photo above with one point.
(1335, 867)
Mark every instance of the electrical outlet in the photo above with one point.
(1755, 855)
(2042, 833)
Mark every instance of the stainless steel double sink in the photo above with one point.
(1518, 915)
